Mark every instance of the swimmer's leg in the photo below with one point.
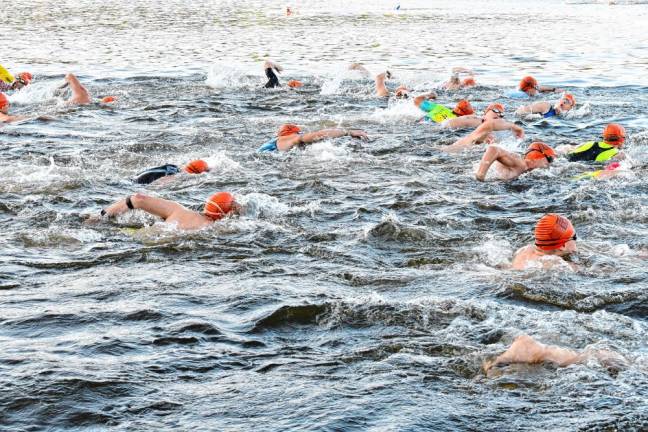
(80, 94)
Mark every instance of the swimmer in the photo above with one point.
(23, 79)
(81, 95)
(529, 85)
(527, 350)
(546, 110)
(510, 165)
(439, 113)
(290, 135)
(197, 166)
(484, 132)
(216, 207)
(4, 111)
(455, 83)
(614, 136)
(270, 67)
(555, 238)
(380, 80)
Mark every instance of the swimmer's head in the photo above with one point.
(196, 167)
(463, 108)
(288, 129)
(23, 79)
(295, 84)
(567, 102)
(614, 134)
(402, 92)
(219, 205)
(494, 111)
(540, 154)
(108, 99)
(555, 233)
(4, 104)
(529, 85)
(469, 82)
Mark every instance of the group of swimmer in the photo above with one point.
(555, 236)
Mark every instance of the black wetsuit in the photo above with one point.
(273, 81)
(152, 174)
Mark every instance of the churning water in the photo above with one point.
(367, 281)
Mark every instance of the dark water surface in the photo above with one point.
(367, 281)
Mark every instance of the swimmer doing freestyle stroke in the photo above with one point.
(216, 207)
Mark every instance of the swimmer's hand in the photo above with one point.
(517, 131)
(272, 65)
(360, 134)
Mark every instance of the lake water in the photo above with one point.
(366, 282)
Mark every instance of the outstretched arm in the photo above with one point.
(360, 68)
(482, 132)
(549, 89)
(494, 153)
(537, 107)
(153, 205)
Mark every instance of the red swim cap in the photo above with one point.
(614, 134)
(552, 232)
(463, 108)
(108, 99)
(469, 82)
(540, 150)
(219, 204)
(196, 166)
(497, 107)
(295, 83)
(25, 77)
(528, 83)
(4, 102)
(288, 129)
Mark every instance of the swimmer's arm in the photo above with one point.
(153, 205)
(494, 153)
(381, 89)
(565, 148)
(537, 107)
(330, 133)
(418, 100)
(269, 64)
(548, 89)
(500, 125)
(462, 122)
(360, 68)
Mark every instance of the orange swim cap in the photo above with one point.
(468, 82)
(295, 83)
(4, 102)
(497, 107)
(288, 129)
(539, 150)
(552, 232)
(528, 83)
(108, 99)
(196, 167)
(614, 134)
(25, 77)
(570, 98)
(463, 108)
(219, 204)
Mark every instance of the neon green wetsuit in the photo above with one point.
(593, 151)
(435, 112)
